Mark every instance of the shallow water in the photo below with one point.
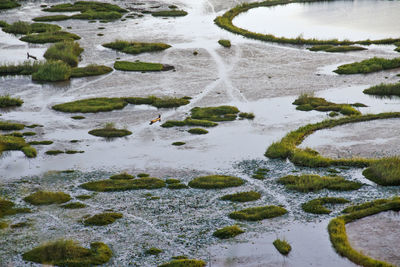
(341, 20)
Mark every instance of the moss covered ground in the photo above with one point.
(216, 182)
(282, 246)
(228, 232)
(316, 206)
(47, 198)
(123, 185)
(136, 47)
(258, 213)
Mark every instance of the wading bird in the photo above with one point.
(155, 120)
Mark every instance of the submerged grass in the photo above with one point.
(258, 213)
(103, 218)
(311, 182)
(384, 90)
(282, 246)
(136, 47)
(69, 253)
(216, 182)
(123, 185)
(315, 206)
(242, 196)
(335, 49)
(228, 232)
(369, 65)
(384, 171)
(47, 197)
(7, 101)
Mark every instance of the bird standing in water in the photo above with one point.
(155, 120)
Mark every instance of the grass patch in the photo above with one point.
(90, 70)
(84, 197)
(8, 4)
(28, 133)
(225, 22)
(177, 186)
(384, 171)
(384, 90)
(47, 198)
(287, 147)
(7, 208)
(221, 113)
(216, 182)
(369, 65)
(306, 102)
(52, 71)
(85, 6)
(26, 68)
(166, 102)
(122, 176)
(178, 143)
(20, 225)
(123, 185)
(78, 117)
(11, 126)
(246, 115)
(97, 15)
(335, 49)
(103, 219)
(172, 181)
(67, 51)
(242, 196)
(109, 131)
(311, 182)
(169, 13)
(228, 232)
(282, 246)
(189, 122)
(258, 213)
(49, 37)
(54, 152)
(198, 131)
(225, 43)
(6, 101)
(36, 143)
(338, 236)
(153, 251)
(69, 253)
(315, 206)
(73, 151)
(141, 175)
(184, 263)
(136, 47)
(260, 173)
(141, 66)
(92, 105)
(16, 143)
(23, 27)
(74, 205)
(52, 18)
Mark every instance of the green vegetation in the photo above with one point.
(221, 113)
(90, 70)
(109, 131)
(225, 43)
(100, 15)
(123, 185)
(178, 143)
(242, 196)
(83, 6)
(141, 175)
(315, 206)
(184, 263)
(246, 115)
(306, 102)
(8, 4)
(103, 218)
(225, 22)
(67, 51)
(172, 181)
(26, 68)
(282, 246)
(287, 147)
(52, 18)
(311, 182)
(49, 37)
(136, 47)
(334, 49)
(198, 131)
(216, 182)
(28, 133)
(384, 90)
(177, 186)
(260, 173)
(69, 253)
(84, 197)
(369, 65)
(47, 197)
(52, 71)
(78, 117)
(11, 126)
(228, 232)
(7, 208)
(16, 143)
(384, 171)
(154, 251)
(189, 122)
(338, 236)
(122, 176)
(258, 213)
(20, 225)
(141, 66)
(23, 27)
(74, 205)
(166, 102)
(169, 13)
(54, 152)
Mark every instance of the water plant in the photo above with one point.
(335, 49)
(282, 246)
(141, 66)
(384, 90)
(122, 176)
(104, 218)
(184, 263)
(67, 51)
(228, 232)
(178, 143)
(246, 115)
(384, 171)
(8, 4)
(49, 37)
(78, 117)
(220, 113)
(74, 205)
(369, 65)
(169, 13)
(16, 143)
(258, 213)
(11, 126)
(109, 131)
(123, 185)
(225, 43)
(198, 131)
(52, 71)
(90, 70)
(242, 196)
(23, 27)
(47, 197)
(153, 251)
(69, 253)
(7, 208)
(315, 206)
(312, 182)
(216, 182)
(131, 47)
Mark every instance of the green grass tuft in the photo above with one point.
(92, 105)
(46, 198)
(242, 196)
(315, 206)
(177, 186)
(246, 115)
(7, 208)
(45, 142)
(110, 132)
(198, 131)
(90, 70)
(225, 43)
(169, 13)
(189, 122)
(8, 4)
(67, 51)
(124, 185)
(78, 117)
(384, 90)
(369, 65)
(122, 176)
(258, 213)
(49, 37)
(153, 251)
(85, 6)
(184, 263)
(103, 219)
(141, 175)
(136, 47)
(282, 246)
(11, 126)
(228, 232)
(140, 66)
(216, 182)
(52, 18)
(52, 71)
(26, 68)
(22, 27)
(178, 143)
(221, 113)
(172, 181)
(74, 205)
(6, 101)
(54, 152)
(335, 49)
(384, 171)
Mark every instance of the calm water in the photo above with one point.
(353, 20)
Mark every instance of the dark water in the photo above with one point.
(353, 20)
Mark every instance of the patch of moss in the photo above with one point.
(92, 105)
(122, 176)
(20, 225)
(385, 172)
(6, 101)
(136, 47)
(184, 263)
(28, 133)
(258, 213)
(52, 18)
(169, 13)
(11, 126)
(83, 6)
(123, 185)
(52, 71)
(47, 198)
(315, 206)
(172, 181)
(69, 253)
(49, 37)
(100, 15)
(228, 232)
(246, 115)
(177, 186)
(178, 143)
(84, 197)
(110, 132)
(260, 173)
(216, 182)
(242, 196)
(221, 113)
(141, 175)
(54, 152)
(103, 218)
(369, 65)
(8, 4)
(189, 122)
(225, 43)
(282, 246)
(23, 27)
(16, 143)
(312, 182)
(141, 66)
(198, 131)
(153, 251)
(45, 142)
(335, 49)
(384, 90)
(74, 205)
(67, 51)
(7, 208)
(165, 102)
